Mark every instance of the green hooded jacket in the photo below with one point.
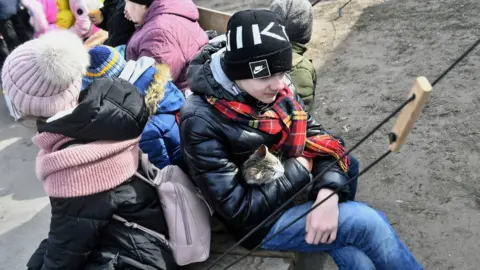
(304, 76)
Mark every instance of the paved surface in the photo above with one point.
(24, 208)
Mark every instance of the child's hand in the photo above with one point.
(96, 17)
(322, 222)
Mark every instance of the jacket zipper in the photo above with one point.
(183, 209)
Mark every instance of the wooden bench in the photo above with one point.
(258, 260)
(213, 19)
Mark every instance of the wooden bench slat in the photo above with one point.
(213, 19)
(249, 263)
(222, 241)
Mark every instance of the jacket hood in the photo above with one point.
(154, 83)
(111, 109)
(298, 51)
(183, 8)
(200, 76)
(162, 95)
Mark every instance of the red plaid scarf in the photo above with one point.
(289, 118)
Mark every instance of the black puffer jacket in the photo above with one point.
(83, 234)
(214, 148)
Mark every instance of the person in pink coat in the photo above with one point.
(168, 31)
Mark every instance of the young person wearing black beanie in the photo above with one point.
(241, 102)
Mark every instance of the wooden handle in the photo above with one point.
(410, 113)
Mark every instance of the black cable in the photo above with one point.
(456, 62)
(344, 5)
(311, 209)
(302, 190)
(318, 1)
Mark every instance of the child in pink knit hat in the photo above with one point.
(88, 159)
(43, 76)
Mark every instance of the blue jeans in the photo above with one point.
(365, 239)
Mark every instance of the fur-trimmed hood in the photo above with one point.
(154, 82)
(162, 95)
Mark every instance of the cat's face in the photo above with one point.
(262, 167)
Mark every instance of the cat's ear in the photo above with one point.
(262, 151)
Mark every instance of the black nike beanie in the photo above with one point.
(257, 46)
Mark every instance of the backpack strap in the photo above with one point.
(137, 226)
(146, 180)
(146, 165)
(149, 170)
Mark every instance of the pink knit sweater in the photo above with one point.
(86, 169)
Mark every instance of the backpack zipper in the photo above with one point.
(181, 201)
(200, 195)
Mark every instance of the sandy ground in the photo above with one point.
(367, 61)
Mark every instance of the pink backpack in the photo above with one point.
(186, 212)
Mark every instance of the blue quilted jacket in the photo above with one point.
(161, 136)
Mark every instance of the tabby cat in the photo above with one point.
(262, 167)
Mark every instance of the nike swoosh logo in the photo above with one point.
(258, 70)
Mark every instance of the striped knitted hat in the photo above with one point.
(105, 61)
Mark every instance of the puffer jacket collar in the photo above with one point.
(200, 75)
(111, 109)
